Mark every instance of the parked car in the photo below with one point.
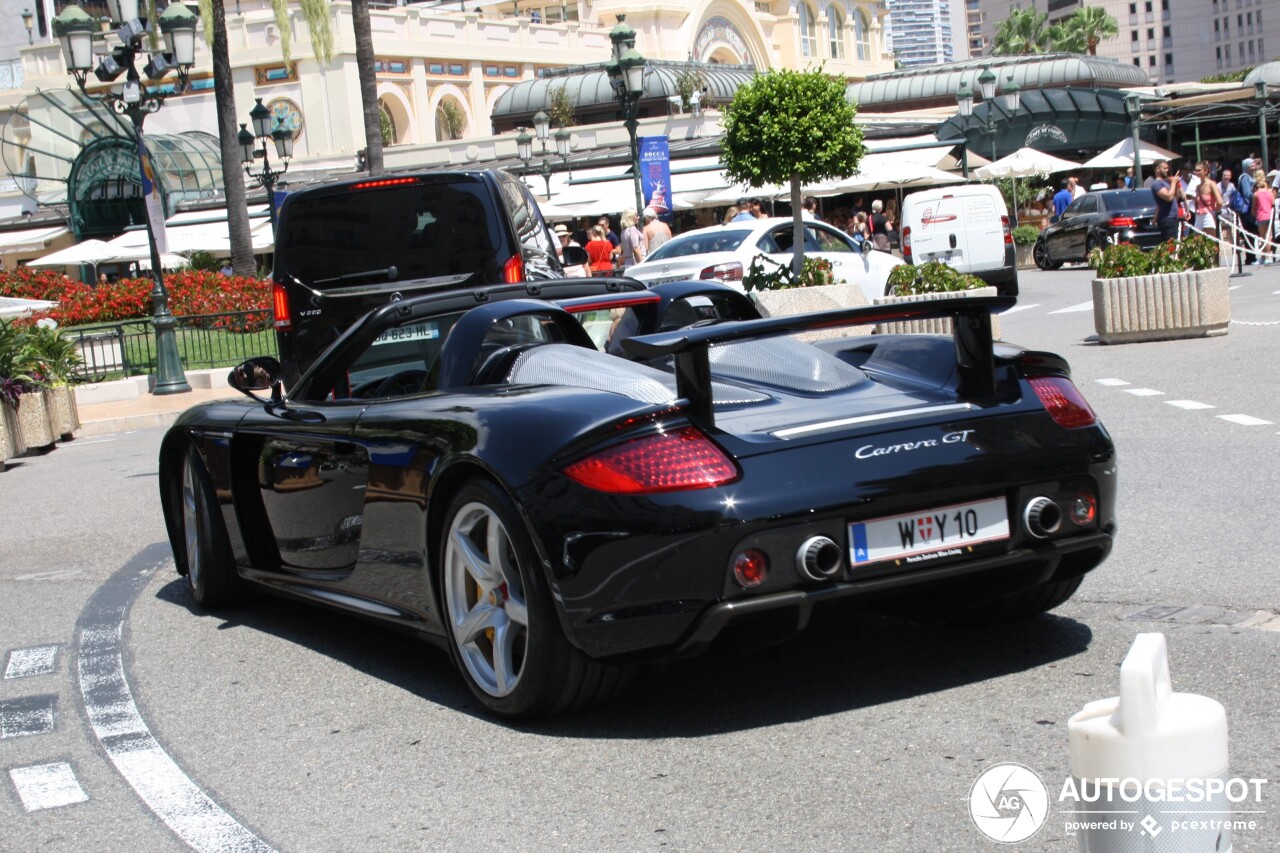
(1095, 221)
(344, 248)
(966, 226)
(479, 470)
(724, 253)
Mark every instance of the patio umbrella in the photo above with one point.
(1120, 155)
(88, 252)
(1024, 163)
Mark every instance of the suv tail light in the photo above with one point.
(1122, 222)
(280, 305)
(1008, 231)
(379, 183)
(905, 238)
(676, 461)
(513, 270)
(731, 271)
(1064, 402)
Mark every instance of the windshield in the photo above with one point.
(413, 231)
(701, 243)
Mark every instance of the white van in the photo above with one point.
(966, 226)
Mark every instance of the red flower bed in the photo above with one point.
(190, 293)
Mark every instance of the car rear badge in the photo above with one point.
(870, 451)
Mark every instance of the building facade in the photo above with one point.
(1170, 40)
(922, 32)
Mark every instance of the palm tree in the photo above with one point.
(1094, 25)
(1067, 37)
(1025, 31)
(224, 96)
(363, 32)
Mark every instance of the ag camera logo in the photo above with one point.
(1008, 803)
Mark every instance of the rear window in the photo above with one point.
(701, 244)
(427, 230)
(1128, 201)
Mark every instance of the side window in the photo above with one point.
(399, 362)
(1088, 204)
(1075, 208)
(531, 231)
(777, 240)
(829, 241)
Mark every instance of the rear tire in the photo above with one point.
(503, 628)
(211, 570)
(1090, 243)
(1041, 255)
(1027, 604)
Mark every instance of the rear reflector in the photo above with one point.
(280, 305)
(666, 462)
(383, 182)
(1064, 402)
(723, 272)
(750, 568)
(513, 270)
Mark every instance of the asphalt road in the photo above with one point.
(281, 726)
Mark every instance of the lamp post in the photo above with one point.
(1133, 106)
(266, 177)
(29, 21)
(626, 75)
(1261, 92)
(1009, 94)
(76, 29)
(524, 146)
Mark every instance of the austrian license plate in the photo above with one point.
(932, 534)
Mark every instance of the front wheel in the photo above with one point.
(211, 571)
(503, 628)
(1041, 255)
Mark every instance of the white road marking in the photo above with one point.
(1244, 420)
(113, 715)
(39, 660)
(56, 575)
(28, 715)
(1144, 392)
(1083, 306)
(1111, 382)
(1189, 404)
(47, 786)
(83, 442)
(1015, 309)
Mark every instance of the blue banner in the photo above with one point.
(655, 176)
(151, 197)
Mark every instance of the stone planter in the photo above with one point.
(936, 325)
(1162, 307)
(34, 421)
(806, 300)
(66, 419)
(1025, 253)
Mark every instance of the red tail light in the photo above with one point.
(666, 462)
(723, 272)
(383, 182)
(1064, 402)
(1008, 231)
(280, 304)
(1123, 222)
(905, 239)
(513, 270)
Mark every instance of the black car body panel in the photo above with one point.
(1095, 221)
(340, 498)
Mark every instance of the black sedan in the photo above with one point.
(1095, 221)
(557, 491)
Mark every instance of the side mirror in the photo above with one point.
(573, 256)
(257, 374)
(865, 247)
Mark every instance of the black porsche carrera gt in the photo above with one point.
(558, 488)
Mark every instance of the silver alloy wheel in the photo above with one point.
(485, 599)
(191, 519)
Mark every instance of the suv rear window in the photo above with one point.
(352, 236)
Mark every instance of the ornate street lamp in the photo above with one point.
(1262, 93)
(75, 29)
(1009, 94)
(267, 130)
(1133, 106)
(626, 75)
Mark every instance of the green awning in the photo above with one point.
(1054, 120)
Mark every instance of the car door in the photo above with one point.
(1070, 237)
(848, 262)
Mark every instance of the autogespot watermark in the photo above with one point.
(1009, 803)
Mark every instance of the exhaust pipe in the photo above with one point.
(1042, 517)
(818, 558)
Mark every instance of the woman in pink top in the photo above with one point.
(1208, 201)
(1263, 203)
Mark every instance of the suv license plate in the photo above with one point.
(930, 534)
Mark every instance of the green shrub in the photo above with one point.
(767, 274)
(205, 261)
(932, 277)
(57, 355)
(1025, 235)
(1125, 259)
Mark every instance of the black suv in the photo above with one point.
(343, 249)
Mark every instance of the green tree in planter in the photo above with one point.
(791, 126)
(18, 366)
(58, 356)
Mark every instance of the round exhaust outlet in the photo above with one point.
(1042, 517)
(818, 558)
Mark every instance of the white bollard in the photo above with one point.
(1149, 767)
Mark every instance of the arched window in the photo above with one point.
(862, 35)
(835, 32)
(808, 30)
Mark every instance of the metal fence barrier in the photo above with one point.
(127, 348)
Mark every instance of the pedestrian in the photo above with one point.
(858, 228)
(756, 206)
(1128, 178)
(879, 236)
(1165, 188)
(730, 214)
(656, 232)
(102, 280)
(891, 222)
(227, 269)
(566, 239)
(744, 213)
(1208, 201)
(1062, 198)
(599, 251)
(810, 209)
(1263, 206)
(1077, 189)
(632, 247)
(609, 233)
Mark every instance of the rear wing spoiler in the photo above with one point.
(971, 329)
